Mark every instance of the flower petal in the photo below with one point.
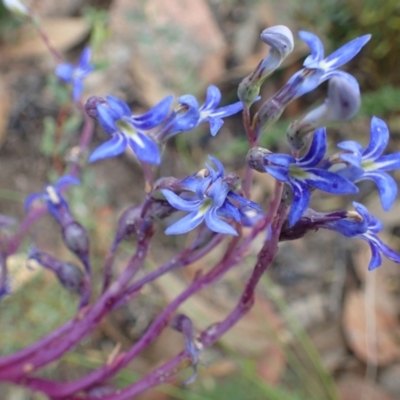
(378, 140)
(113, 147)
(346, 52)
(389, 162)
(145, 148)
(387, 187)
(301, 199)
(329, 182)
(213, 98)
(185, 224)
(215, 125)
(180, 204)
(316, 47)
(77, 89)
(155, 116)
(317, 150)
(118, 106)
(216, 224)
(65, 71)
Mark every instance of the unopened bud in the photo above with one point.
(91, 105)
(255, 158)
(69, 275)
(342, 103)
(267, 115)
(76, 239)
(280, 40)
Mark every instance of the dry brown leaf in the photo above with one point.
(355, 388)
(356, 335)
(64, 33)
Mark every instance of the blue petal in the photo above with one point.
(301, 199)
(351, 173)
(228, 210)
(215, 125)
(155, 116)
(243, 201)
(316, 47)
(146, 150)
(65, 72)
(220, 168)
(77, 89)
(185, 224)
(217, 225)
(387, 187)
(378, 140)
(180, 204)
(118, 106)
(185, 120)
(228, 110)
(351, 145)
(376, 259)
(389, 162)
(113, 147)
(317, 150)
(107, 118)
(218, 192)
(213, 98)
(84, 59)
(345, 53)
(329, 182)
(282, 160)
(299, 85)
(66, 180)
(279, 173)
(387, 251)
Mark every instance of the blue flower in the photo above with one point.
(209, 111)
(366, 229)
(372, 163)
(301, 174)
(75, 74)
(318, 69)
(208, 199)
(188, 115)
(52, 196)
(126, 129)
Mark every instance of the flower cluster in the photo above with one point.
(217, 205)
(210, 198)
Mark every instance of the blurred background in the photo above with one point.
(317, 309)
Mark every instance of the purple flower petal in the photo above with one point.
(378, 140)
(216, 224)
(185, 224)
(316, 47)
(113, 147)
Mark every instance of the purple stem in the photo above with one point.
(107, 371)
(213, 333)
(17, 372)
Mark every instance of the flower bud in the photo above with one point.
(342, 103)
(255, 158)
(267, 115)
(76, 239)
(280, 40)
(91, 105)
(69, 275)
